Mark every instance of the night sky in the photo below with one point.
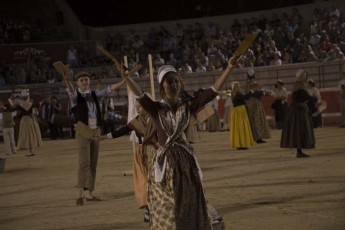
(122, 12)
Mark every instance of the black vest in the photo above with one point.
(81, 111)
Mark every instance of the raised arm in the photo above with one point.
(67, 78)
(117, 85)
(217, 85)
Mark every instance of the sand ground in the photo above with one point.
(262, 188)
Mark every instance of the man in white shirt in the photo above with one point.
(86, 109)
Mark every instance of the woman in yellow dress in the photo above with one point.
(241, 136)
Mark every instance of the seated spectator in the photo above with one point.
(204, 60)
(259, 61)
(132, 63)
(21, 76)
(286, 58)
(249, 59)
(151, 39)
(200, 67)
(171, 60)
(137, 44)
(315, 39)
(72, 58)
(276, 59)
(335, 54)
(303, 57)
(186, 68)
(178, 33)
(323, 56)
(334, 16)
(158, 62)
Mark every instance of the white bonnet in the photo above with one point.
(251, 72)
(164, 70)
(233, 84)
(301, 75)
(24, 93)
(299, 72)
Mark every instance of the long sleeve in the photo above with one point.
(120, 132)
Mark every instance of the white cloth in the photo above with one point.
(173, 126)
(132, 113)
(340, 83)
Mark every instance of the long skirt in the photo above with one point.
(178, 201)
(298, 129)
(142, 163)
(257, 119)
(240, 131)
(29, 133)
(213, 122)
(139, 176)
(227, 117)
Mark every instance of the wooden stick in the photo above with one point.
(151, 78)
(107, 53)
(119, 66)
(125, 60)
(60, 67)
(242, 48)
(134, 70)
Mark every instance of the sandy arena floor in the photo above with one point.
(263, 188)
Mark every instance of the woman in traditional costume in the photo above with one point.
(255, 109)
(280, 105)
(176, 196)
(29, 130)
(298, 129)
(241, 136)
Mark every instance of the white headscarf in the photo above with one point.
(164, 70)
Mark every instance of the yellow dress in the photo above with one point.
(240, 130)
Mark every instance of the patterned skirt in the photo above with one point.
(178, 201)
(257, 119)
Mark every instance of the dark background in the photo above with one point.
(122, 12)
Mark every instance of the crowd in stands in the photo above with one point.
(36, 69)
(282, 39)
(12, 31)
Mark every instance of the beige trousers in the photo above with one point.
(88, 157)
(10, 144)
